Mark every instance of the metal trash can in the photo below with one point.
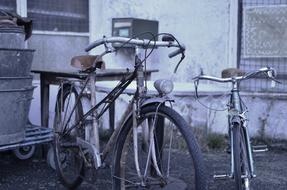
(12, 37)
(15, 62)
(14, 110)
(14, 30)
(15, 82)
(16, 88)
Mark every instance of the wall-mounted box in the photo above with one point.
(130, 27)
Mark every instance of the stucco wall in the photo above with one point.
(266, 114)
(203, 26)
(54, 52)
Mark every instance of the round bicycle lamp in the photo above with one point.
(163, 86)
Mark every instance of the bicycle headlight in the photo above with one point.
(163, 86)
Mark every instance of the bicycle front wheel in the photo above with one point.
(241, 174)
(160, 152)
(68, 159)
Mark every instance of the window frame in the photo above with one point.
(22, 10)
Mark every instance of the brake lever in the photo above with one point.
(196, 83)
(275, 80)
(177, 65)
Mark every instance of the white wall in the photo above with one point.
(54, 52)
(203, 26)
(266, 114)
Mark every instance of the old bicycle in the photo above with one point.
(242, 168)
(154, 147)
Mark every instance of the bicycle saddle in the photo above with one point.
(87, 62)
(232, 72)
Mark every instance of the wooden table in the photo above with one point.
(48, 77)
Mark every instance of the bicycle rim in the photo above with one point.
(241, 174)
(68, 159)
(176, 153)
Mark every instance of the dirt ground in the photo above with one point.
(270, 167)
(33, 174)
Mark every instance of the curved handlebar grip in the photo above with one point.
(176, 52)
(94, 44)
(271, 73)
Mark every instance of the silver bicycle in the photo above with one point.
(153, 148)
(242, 168)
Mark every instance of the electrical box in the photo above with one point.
(130, 27)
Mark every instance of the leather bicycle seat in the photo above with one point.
(86, 62)
(232, 72)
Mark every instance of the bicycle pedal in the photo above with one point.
(221, 176)
(259, 148)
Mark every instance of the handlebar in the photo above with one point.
(137, 42)
(180, 50)
(270, 72)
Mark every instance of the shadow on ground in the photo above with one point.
(33, 174)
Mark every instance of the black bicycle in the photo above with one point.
(154, 147)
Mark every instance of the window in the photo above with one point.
(251, 64)
(8, 5)
(59, 15)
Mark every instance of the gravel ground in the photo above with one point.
(270, 168)
(33, 174)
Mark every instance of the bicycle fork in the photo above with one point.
(147, 131)
(148, 134)
(239, 117)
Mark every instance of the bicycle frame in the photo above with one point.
(237, 123)
(238, 115)
(106, 102)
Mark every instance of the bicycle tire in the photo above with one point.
(240, 157)
(61, 156)
(195, 178)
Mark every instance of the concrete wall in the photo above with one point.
(203, 26)
(54, 52)
(266, 114)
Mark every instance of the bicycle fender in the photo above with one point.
(157, 100)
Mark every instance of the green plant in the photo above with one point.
(216, 141)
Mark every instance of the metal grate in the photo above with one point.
(251, 64)
(33, 135)
(8, 5)
(59, 15)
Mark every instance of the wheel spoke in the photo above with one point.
(164, 157)
(69, 163)
(169, 152)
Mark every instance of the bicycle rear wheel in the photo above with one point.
(177, 162)
(241, 169)
(68, 159)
